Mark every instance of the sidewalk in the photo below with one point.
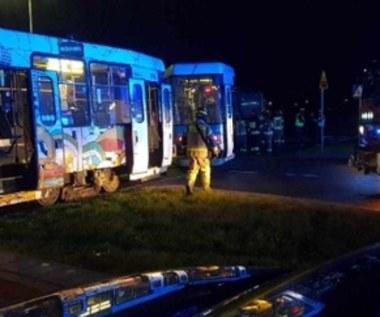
(23, 278)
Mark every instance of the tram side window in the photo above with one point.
(75, 309)
(72, 88)
(124, 294)
(229, 102)
(5, 105)
(170, 278)
(100, 304)
(167, 106)
(13, 100)
(46, 101)
(110, 94)
(138, 104)
(49, 307)
(130, 292)
(212, 103)
(184, 104)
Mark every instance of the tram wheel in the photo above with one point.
(111, 182)
(49, 196)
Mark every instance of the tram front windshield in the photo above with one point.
(194, 93)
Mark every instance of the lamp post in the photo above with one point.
(323, 85)
(30, 16)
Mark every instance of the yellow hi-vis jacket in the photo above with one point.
(300, 120)
(196, 142)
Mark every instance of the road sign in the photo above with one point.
(357, 91)
(323, 82)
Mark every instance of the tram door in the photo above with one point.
(17, 154)
(49, 137)
(229, 122)
(140, 146)
(167, 125)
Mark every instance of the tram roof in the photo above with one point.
(16, 48)
(208, 68)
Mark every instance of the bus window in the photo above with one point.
(46, 101)
(72, 88)
(137, 104)
(109, 94)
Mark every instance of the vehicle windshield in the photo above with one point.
(190, 94)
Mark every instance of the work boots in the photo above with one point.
(189, 190)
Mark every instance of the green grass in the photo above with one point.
(157, 228)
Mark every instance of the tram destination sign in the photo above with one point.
(70, 48)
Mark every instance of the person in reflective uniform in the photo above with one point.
(240, 133)
(300, 126)
(200, 142)
(267, 132)
(278, 128)
(254, 133)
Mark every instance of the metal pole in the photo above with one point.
(322, 118)
(30, 16)
(360, 107)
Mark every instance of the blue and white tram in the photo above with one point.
(101, 299)
(120, 294)
(208, 85)
(75, 115)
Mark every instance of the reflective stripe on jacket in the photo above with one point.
(300, 121)
(240, 127)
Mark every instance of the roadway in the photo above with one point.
(323, 177)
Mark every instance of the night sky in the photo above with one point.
(278, 47)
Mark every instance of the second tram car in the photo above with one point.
(75, 115)
(207, 85)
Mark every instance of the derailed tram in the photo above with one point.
(366, 156)
(74, 116)
(206, 85)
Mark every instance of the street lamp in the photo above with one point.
(30, 16)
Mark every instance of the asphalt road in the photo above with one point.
(309, 176)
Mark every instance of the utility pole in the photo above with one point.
(30, 16)
(323, 85)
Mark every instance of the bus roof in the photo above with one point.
(208, 68)
(17, 47)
